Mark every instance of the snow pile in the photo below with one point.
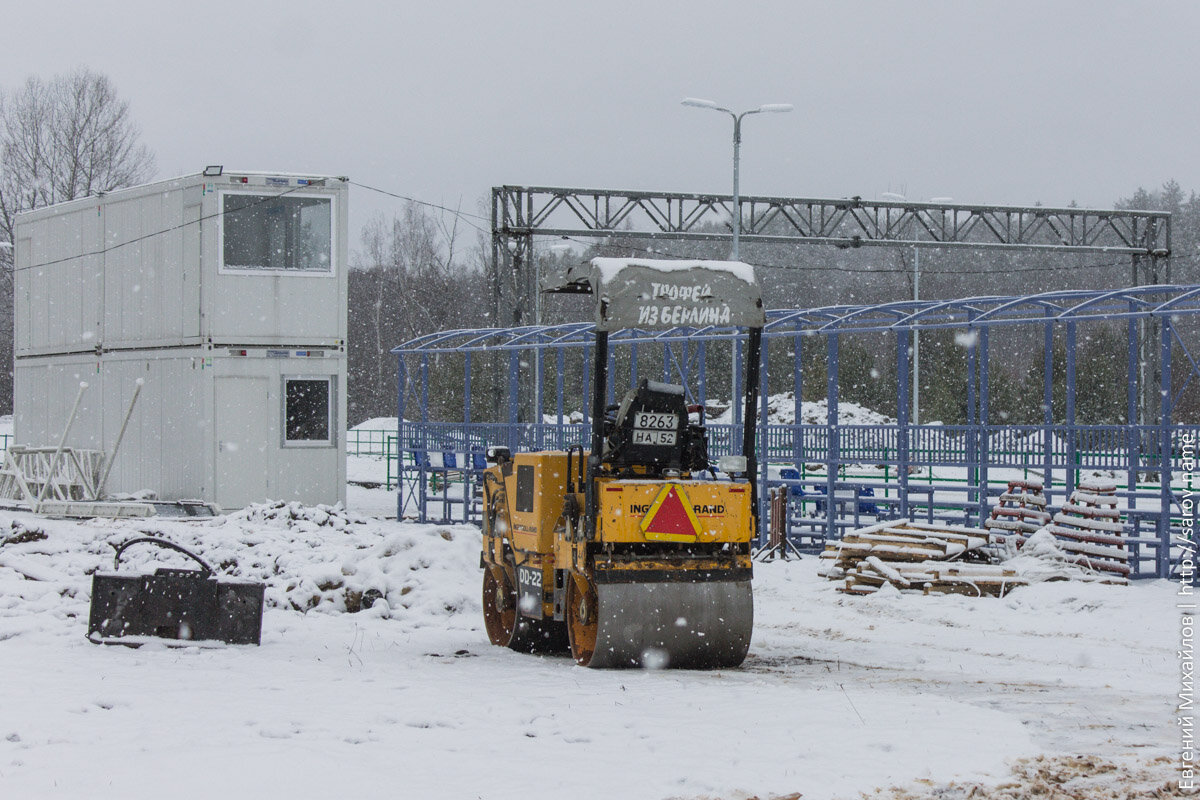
(388, 424)
(300, 516)
(569, 418)
(781, 410)
(1041, 558)
(311, 558)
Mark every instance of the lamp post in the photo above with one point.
(737, 146)
(696, 102)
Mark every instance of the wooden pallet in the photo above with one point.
(1089, 529)
(916, 556)
(1021, 509)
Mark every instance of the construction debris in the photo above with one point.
(917, 556)
(1089, 529)
(1020, 544)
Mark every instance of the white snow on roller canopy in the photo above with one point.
(609, 268)
(650, 294)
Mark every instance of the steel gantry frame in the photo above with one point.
(519, 213)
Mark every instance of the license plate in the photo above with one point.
(660, 438)
(650, 420)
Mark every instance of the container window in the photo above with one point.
(308, 411)
(269, 232)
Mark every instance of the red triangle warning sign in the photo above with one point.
(670, 517)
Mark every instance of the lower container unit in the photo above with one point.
(228, 425)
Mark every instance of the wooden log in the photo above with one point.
(1088, 523)
(1072, 507)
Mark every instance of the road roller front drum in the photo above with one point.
(682, 625)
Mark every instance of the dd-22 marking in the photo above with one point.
(529, 577)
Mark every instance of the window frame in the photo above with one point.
(265, 191)
(331, 417)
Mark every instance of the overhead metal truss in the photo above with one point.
(520, 213)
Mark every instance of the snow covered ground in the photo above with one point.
(406, 698)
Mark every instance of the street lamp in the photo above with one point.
(737, 146)
(695, 102)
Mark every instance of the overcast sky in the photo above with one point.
(1009, 102)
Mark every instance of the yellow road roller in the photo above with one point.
(635, 550)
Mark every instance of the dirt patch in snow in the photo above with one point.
(1059, 778)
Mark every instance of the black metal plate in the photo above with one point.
(175, 604)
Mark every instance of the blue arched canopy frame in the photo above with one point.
(440, 460)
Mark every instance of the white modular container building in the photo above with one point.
(225, 293)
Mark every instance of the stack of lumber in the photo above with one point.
(915, 556)
(1090, 532)
(1021, 509)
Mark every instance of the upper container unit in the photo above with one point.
(222, 258)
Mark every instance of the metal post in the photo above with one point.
(1134, 434)
(1048, 406)
(748, 430)
(538, 417)
(560, 365)
(685, 368)
(498, 263)
(1072, 444)
(735, 389)
(972, 422)
(423, 483)
(1163, 551)
(763, 428)
(798, 402)
(467, 388)
(401, 380)
(633, 365)
(737, 208)
(587, 381)
(834, 455)
(984, 441)
(591, 500)
(514, 402)
(609, 370)
(902, 426)
(916, 342)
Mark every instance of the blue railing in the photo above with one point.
(948, 473)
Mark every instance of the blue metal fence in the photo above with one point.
(842, 476)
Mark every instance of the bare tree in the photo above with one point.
(62, 139)
(410, 277)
